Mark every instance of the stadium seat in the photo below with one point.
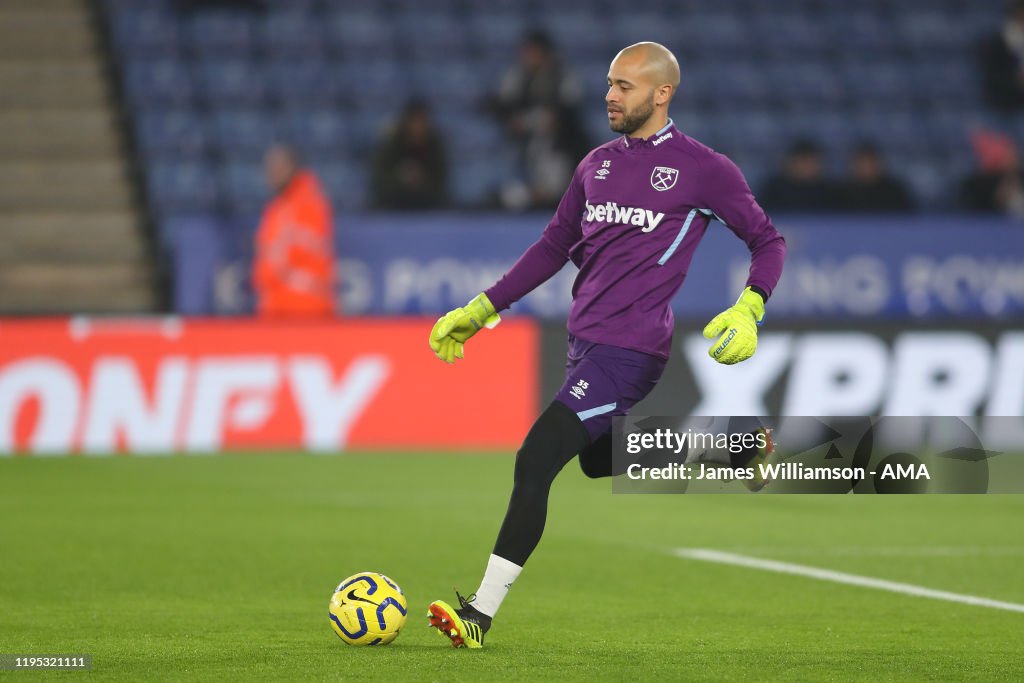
(156, 84)
(741, 83)
(721, 32)
(862, 31)
(301, 82)
(945, 81)
(308, 7)
(636, 26)
(449, 80)
(368, 125)
(584, 34)
(220, 33)
(755, 168)
(245, 189)
(695, 88)
(475, 180)
(346, 184)
(806, 84)
(691, 121)
(121, 6)
(527, 8)
(318, 133)
(888, 81)
(500, 30)
(382, 84)
(244, 133)
(949, 129)
(897, 132)
(172, 135)
(929, 30)
(146, 33)
(980, 19)
(291, 34)
(445, 7)
(436, 37)
(358, 33)
(466, 138)
(181, 187)
(760, 131)
(788, 33)
(233, 82)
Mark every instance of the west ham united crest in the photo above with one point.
(664, 178)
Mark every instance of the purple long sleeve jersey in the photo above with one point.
(630, 221)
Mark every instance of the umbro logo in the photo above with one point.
(580, 390)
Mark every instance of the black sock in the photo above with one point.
(555, 438)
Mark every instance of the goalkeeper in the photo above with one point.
(633, 214)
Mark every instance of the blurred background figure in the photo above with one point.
(870, 188)
(293, 269)
(1002, 63)
(998, 185)
(801, 184)
(538, 106)
(410, 168)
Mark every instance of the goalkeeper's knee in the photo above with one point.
(596, 459)
(554, 439)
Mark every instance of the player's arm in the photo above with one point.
(728, 195)
(537, 265)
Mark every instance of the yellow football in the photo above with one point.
(367, 609)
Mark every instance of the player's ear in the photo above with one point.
(663, 93)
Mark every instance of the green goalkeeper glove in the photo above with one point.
(736, 329)
(453, 329)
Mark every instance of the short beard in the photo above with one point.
(634, 120)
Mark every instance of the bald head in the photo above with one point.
(641, 82)
(656, 62)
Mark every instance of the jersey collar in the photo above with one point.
(639, 142)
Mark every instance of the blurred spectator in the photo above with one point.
(293, 270)
(801, 184)
(1002, 62)
(870, 187)
(538, 105)
(998, 185)
(410, 169)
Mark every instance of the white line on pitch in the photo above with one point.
(841, 577)
(884, 551)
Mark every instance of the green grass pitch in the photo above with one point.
(211, 568)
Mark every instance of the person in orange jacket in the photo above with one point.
(293, 269)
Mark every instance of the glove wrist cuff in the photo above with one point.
(752, 302)
(482, 306)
